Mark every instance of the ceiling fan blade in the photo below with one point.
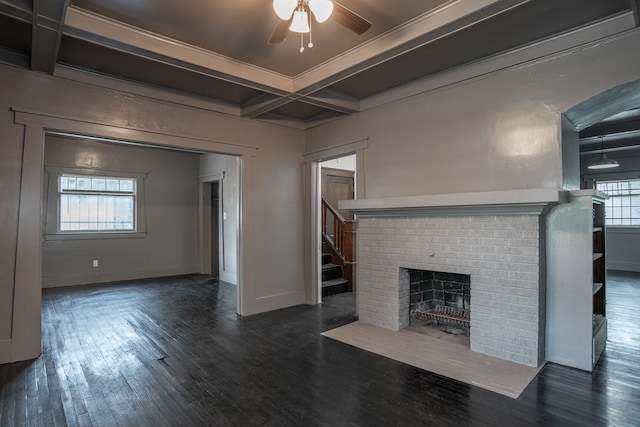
(281, 31)
(349, 19)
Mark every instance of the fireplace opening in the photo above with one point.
(439, 301)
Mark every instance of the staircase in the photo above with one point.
(338, 251)
(332, 281)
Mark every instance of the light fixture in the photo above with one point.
(603, 162)
(300, 22)
(284, 8)
(301, 11)
(321, 9)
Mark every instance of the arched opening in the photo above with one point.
(606, 127)
(609, 124)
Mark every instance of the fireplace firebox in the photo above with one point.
(439, 300)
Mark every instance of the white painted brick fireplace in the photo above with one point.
(498, 240)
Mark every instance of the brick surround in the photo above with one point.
(503, 254)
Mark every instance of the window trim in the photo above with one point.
(52, 205)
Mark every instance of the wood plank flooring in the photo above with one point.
(173, 352)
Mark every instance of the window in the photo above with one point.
(623, 205)
(89, 204)
(96, 203)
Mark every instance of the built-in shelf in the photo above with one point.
(576, 320)
(596, 287)
(599, 279)
(598, 321)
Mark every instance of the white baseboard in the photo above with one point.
(273, 302)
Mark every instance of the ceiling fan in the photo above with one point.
(296, 15)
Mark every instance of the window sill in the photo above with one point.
(623, 229)
(96, 236)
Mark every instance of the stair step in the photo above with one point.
(331, 271)
(329, 266)
(326, 258)
(334, 282)
(334, 286)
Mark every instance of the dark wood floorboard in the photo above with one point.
(173, 352)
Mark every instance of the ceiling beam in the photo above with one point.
(167, 60)
(97, 29)
(115, 83)
(46, 33)
(328, 99)
(631, 144)
(621, 141)
(333, 101)
(21, 14)
(263, 104)
(635, 7)
(607, 128)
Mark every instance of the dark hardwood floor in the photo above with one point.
(173, 352)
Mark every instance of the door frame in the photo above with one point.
(26, 333)
(205, 213)
(313, 250)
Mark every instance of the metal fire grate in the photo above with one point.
(444, 315)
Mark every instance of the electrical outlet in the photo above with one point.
(95, 262)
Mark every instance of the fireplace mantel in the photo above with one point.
(507, 202)
(497, 238)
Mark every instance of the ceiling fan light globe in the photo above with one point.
(284, 8)
(321, 9)
(300, 23)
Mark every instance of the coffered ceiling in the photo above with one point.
(216, 53)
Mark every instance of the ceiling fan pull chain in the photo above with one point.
(301, 42)
(310, 45)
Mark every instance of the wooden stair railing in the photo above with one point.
(339, 236)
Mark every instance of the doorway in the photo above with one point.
(211, 235)
(215, 229)
(337, 227)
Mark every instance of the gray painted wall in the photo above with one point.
(498, 131)
(623, 249)
(170, 245)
